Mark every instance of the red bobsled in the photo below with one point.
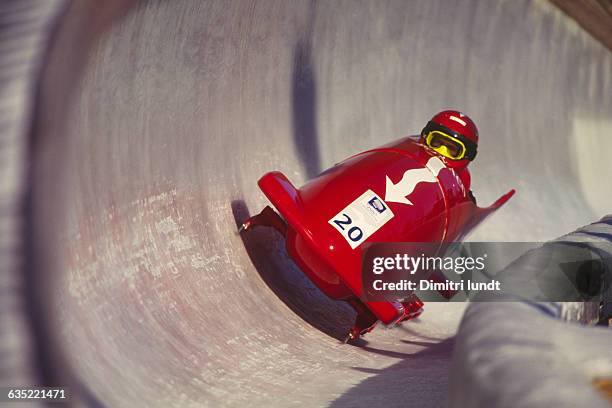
(401, 192)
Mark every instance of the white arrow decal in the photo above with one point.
(397, 193)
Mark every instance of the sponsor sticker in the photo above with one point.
(361, 218)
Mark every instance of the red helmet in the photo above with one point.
(455, 132)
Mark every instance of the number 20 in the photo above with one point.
(354, 233)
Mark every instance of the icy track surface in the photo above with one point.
(182, 105)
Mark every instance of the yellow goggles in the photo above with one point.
(446, 145)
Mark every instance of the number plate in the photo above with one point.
(361, 218)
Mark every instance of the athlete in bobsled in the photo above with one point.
(453, 136)
(450, 136)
